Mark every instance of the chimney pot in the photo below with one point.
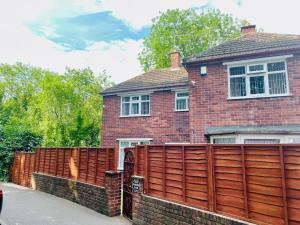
(248, 29)
(175, 59)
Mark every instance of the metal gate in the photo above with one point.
(127, 183)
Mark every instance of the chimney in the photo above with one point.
(248, 29)
(175, 59)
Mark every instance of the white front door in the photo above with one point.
(125, 143)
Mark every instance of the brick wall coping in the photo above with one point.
(77, 181)
(201, 210)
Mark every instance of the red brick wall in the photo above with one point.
(209, 105)
(163, 124)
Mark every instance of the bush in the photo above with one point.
(11, 142)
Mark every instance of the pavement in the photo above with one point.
(23, 206)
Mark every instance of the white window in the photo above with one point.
(203, 70)
(261, 141)
(223, 140)
(129, 143)
(254, 139)
(258, 80)
(182, 101)
(138, 105)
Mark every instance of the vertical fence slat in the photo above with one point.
(96, 166)
(116, 157)
(79, 162)
(164, 171)
(210, 178)
(63, 163)
(44, 160)
(136, 160)
(107, 159)
(245, 182)
(213, 178)
(87, 164)
(183, 174)
(146, 169)
(283, 178)
(56, 161)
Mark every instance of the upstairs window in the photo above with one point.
(182, 101)
(138, 105)
(258, 80)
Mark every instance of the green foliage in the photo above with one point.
(11, 141)
(189, 32)
(39, 107)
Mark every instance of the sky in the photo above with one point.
(108, 34)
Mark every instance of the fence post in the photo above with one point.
(87, 164)
(146, 168)
(164, 171)
(283, 185)
(183, 174)
(245, 182)
(116, 157)
(107, 159)
(96, 169)
(210, 178)
(136, 161)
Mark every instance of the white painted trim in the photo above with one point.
(128, 94)
(257, 60)
(134, 139)
(266, 81)
(187, 98)
(131, 102)
(121, 152)
(177, 143)
(240, 138)
(223, 136)
(180, 89)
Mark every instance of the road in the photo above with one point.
(23, 206)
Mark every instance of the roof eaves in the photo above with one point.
(207, 59)
(153, 88)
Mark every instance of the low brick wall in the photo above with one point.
(105, 200)
(149, 210)
(155, 211)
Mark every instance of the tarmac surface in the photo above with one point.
(23, 206)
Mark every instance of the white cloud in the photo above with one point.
(119, 58)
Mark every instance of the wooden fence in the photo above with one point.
(23, 167)
(258, 183)
(83, 164)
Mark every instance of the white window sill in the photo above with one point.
(135, 116)
(261, 96)
(184, 110)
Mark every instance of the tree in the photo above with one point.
(187, 31)
(42, 108)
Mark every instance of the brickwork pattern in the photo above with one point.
(209, 104)
(100, 199)
(164, 124)
(149, 210)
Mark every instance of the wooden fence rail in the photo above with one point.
(83, 164)
(257, 183)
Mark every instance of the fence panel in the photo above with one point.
(84, 164)
(23, 167)
(258, 183)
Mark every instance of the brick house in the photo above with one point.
(245, 90)
(149, 108)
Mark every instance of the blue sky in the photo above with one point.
(108, 34)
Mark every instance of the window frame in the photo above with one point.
(265, 74)
(186, 98)
(222, 136)
(134, 102)
(130, 141)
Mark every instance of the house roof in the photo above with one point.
(248, 44)
(269, 129)
(155, 79)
